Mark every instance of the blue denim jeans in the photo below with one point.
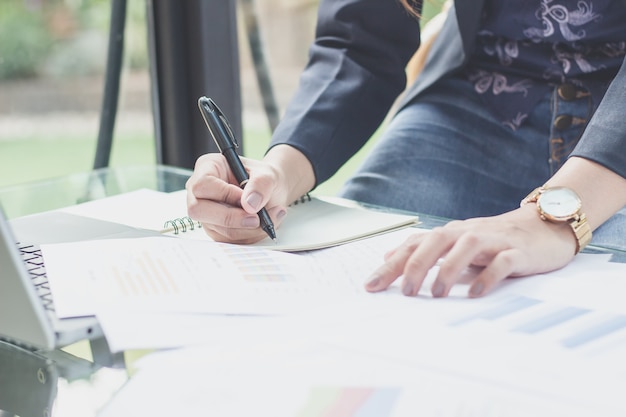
(446, 155)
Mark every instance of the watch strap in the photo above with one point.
(582, 231)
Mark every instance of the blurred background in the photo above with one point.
(52, 64)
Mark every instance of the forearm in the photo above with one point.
(602, 191)
(355, 72)
(604, 139)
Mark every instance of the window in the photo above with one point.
(52, 60)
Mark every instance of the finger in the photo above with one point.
(435, 245)
(393, 265)
(237, 236)
(258, 191)
(413, 239)
(461, 255)
(213, 189)
(249, 232)
(210, 181)
(212, 165)
(502, 266)
(219, 214)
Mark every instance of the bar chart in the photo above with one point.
(571, 327)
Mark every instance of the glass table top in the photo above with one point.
(53, 193)
(67, 383)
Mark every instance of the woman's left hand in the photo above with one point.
(513, 244)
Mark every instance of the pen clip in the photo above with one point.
(224, 121)
(229, 130)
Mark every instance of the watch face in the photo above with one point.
(559, 203)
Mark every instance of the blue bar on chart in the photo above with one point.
(596, 332)
(508, 306)
(550, 320)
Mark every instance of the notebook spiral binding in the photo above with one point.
(33, 259)
(184, 224)
(305, 198)
(181, 225)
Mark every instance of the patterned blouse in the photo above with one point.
(525, 48)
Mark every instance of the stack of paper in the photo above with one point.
(296, 334)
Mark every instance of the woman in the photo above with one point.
(515, 95)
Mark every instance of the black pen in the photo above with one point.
(225, 140)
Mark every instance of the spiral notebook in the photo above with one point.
(311, 223)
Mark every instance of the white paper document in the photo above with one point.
(297, 377)
(550, 344)
(142, 209)
(512, 353)
(127, 282)
(267, 333)
(179, 275)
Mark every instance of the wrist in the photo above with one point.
(562, 207)
(293, 169)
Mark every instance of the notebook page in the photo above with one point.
(316, 223)
(142, 209)
(324, 222)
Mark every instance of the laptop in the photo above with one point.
(29, 380)
(27, 317)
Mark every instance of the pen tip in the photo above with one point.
(275, 240)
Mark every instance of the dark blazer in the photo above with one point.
(451, 49)
(356, 72)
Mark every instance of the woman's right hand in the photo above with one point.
(227, 212)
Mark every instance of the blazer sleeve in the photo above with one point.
(604, 139)
(356, 70)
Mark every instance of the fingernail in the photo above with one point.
(373, 282)
(476, 289)
(250, 221)
(407, 288)
(254, 199)
(438, 289)
(280, 214)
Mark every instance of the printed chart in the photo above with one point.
(349, 402)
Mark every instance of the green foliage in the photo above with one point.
(30, 45)
(136, 41)
(24, 40)
(93, 14)
(430, 9)
(81, 55)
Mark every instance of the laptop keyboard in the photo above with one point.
(33, 259)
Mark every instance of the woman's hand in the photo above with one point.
(229, 213)
(513, 244)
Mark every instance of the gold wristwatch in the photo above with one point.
(562, 205)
